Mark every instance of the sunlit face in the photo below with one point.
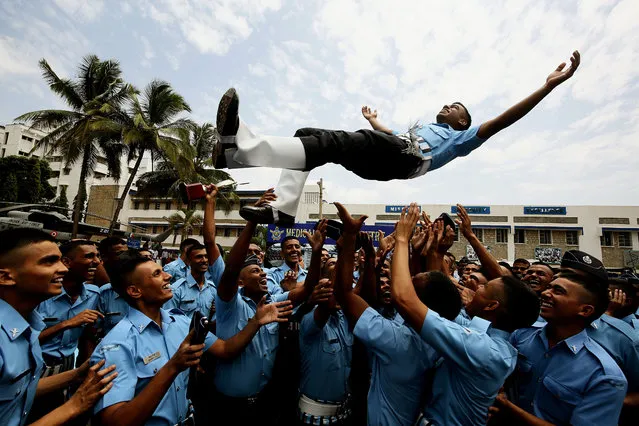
(384, 290)
(35, 271)
(455, 115)
(469, 269)
(485, 295)
(198, 260)
(292, 251)
(150, 284)
(255, 250)
(519, 269)
(564, 301)
(253, 279)
(538, 278)
(325, 256)
(82, 263)
(474, 280)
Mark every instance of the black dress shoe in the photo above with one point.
(266, 214)
(228, 119)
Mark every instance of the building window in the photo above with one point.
(66, 171)
(456, 234)
(479, 233)
(26, 154)
(520, 236)
(136, 205)
(502, 236)
(572, 238)
(3, 151)
(545, 236)
(146, 206)
(624, 239)
(157, 206)
(606, 239)
(227, 232)
(167, 205)
(219, 232)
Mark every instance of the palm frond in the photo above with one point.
(64, 88)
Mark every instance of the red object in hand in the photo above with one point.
(192, 192)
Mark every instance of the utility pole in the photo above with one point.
(321, 198)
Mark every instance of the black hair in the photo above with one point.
(520, 260)
(104, 246)
(120, 271)
(522, 305)
(187, 242)
(288, 238)
(552, 270)
(439, 294)
(15, 238)
(470, 119)
(597, 289)
(67, 248)
(196, 246)
(506, 265)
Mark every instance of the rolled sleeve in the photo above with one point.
(376, 333)
(215, 271)
(123, 389)
(209, 340)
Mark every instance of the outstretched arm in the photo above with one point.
(489, 264)
(516, 112)
(352, 304)
(371, 116)
(208, 227)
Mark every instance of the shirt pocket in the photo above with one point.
(557, 400)
(188, 306)
(15, 387)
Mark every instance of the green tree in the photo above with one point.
(191, 163)
(151, 125)
(62, 201)
(87, 128)
(25, 180)
(186, 220)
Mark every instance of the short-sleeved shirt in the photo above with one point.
(189, 297)
(177, 269)
(60, 308)
(248, 373)
(140, 348)
(326, 355)
(276, 275)
(477, 361)
(400, 360)
(215, 271)
(20, 364)
(575, 382)
(621, 342)
(443, 143)
(632, 321)
(112, 306)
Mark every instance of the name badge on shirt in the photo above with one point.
(49, 319)
(188, 301)
(112, 314)
(152, 357)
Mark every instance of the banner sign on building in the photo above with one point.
(545, 210)
(471, 255)
(548, 254)
(397, 209)
(472, 209)
(276, 234)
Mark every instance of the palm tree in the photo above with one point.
(193, 163)
(86, 129)
(151, 125)
(186, 219)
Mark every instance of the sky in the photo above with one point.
(307, 63)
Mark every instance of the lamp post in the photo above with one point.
(321, 198)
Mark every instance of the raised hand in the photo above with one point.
(435, 235)
(268, 197)
(419, 239)
(367, 245)
(187, 355)
(463, 221)
(322, 292)
(560, 75)
(316, 241)
(351, 225)
(386, 243)
(447, 240)
(618, 301)
(88, 316)
(97, 383)
(273, 312)
(368, 114)
(406, 224)
(211, 192)
(289, 282)
(465, 293)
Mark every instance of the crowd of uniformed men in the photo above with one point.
(398, 335)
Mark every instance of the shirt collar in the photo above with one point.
(82, 296)
(190, 281)
(14, 324)
(141, 321)
(285, 268)
(484, 326)
(444, 125)
(629, 318)
(574, 343)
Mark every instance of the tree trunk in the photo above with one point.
(127, 187)
(80, 198)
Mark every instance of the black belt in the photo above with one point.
(55, 366)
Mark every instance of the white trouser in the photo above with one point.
(272, 151)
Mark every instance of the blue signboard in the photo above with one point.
(397, 209)
(276, 234)
(545, 210)
(472, 209)
(133, 243)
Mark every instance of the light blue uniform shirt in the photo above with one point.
(477, 361)
(20, 364)
(326, 355)
(139, 348)
(575, 382)
(621, 342)
(60, 308)
(189, 297)
(215, 271)
(177, 269)
(632, 321)
(112, 306)
(276, 275)
(247, 374)
(446, 144)
(400, 361)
